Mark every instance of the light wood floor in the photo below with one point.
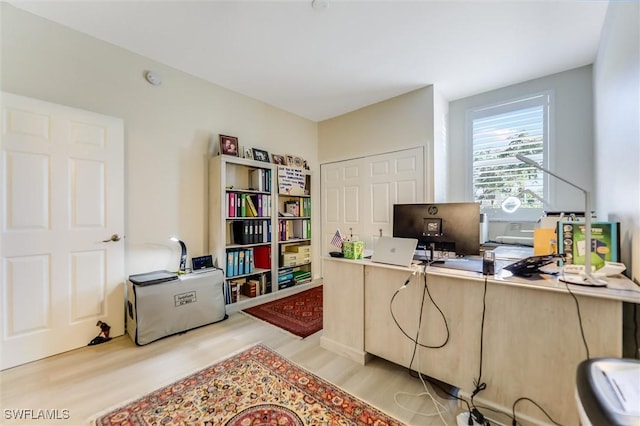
(93, 379)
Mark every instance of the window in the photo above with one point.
(505, 187)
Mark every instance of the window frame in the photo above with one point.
(544, 99)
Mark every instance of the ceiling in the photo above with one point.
(321, 62)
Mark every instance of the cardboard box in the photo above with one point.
(353, 249)
(605, 242)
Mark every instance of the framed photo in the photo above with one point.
(298, 162)
(289, 161)
(278, 159)
(260, 155)
(229, 145)
(248, 153)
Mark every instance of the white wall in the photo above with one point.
(617, 117)
(167, 128)
(571, 149)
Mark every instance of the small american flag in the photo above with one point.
(337, 239)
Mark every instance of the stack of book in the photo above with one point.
(301, 276)
(285, 278)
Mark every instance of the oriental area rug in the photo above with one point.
(299, 314)
(255, 387)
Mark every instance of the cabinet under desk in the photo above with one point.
(531, 337)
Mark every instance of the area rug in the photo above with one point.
(255, 387)
(299, 314)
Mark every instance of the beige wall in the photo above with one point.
(167, 128)
(405, 121)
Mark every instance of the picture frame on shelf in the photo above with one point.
(289, 161)
(298, 162)
(229, 145)
(248, 153)
(261, 155)
(278, 159)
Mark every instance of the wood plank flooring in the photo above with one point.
(91, 380)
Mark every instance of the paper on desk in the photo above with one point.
(626, 385)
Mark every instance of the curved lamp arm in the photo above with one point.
(183, 255)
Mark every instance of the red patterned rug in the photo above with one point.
(300, 314)
(256, 387)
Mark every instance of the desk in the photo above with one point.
(532, 340)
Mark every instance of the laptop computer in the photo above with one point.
(394, 251)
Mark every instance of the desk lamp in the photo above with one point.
(183, 255)
(585, 278)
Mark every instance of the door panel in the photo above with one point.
(63, 190)
(358, 194)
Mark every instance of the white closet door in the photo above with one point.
(358, 194)
(62, 187)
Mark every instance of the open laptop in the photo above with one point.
(394, 251)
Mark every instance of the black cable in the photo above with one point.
(478, 383)
(584, 339)
(427, 292)
(513, 409)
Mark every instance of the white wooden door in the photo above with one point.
(62, 194)
(358, 194)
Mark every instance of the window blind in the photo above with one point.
(498, 135)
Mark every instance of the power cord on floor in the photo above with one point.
(513, 410)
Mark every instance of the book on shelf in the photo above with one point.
(241, 255)
(256, 180)
(300, 276)
(252, 211)
(285, 277)
(248, 262)
(286, 284)
(232, 290)
(231, 204)
(262, 257)
(251, 288)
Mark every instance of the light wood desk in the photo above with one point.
(532, 341)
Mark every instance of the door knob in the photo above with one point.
(114, 237)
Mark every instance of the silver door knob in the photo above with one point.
(114, 237)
